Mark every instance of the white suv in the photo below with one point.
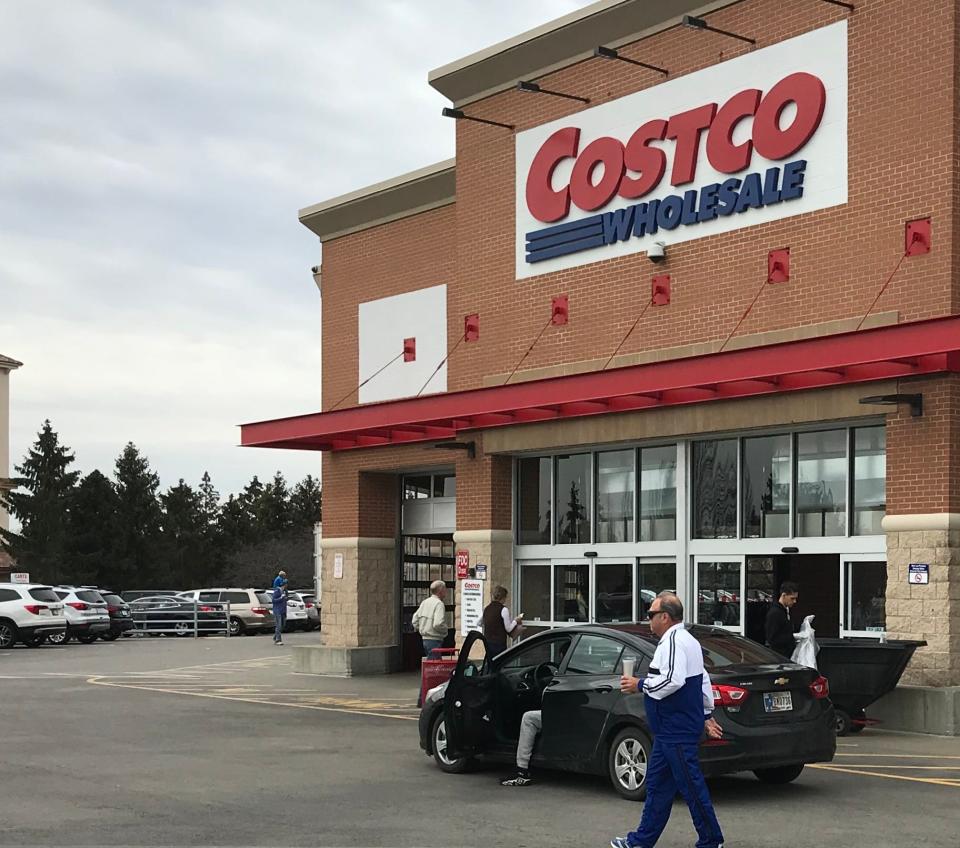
(86, 613)
(29, 613)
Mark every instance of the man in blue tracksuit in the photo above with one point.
(678, 698)
(279, 606)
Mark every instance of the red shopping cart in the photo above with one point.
(436, 669)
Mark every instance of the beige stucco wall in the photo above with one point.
(4, 436)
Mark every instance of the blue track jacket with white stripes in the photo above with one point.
(678, 695)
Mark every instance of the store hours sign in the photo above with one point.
(754, 139)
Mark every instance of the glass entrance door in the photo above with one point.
(718, 588)
(863, 591)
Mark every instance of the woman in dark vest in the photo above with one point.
(497, 624)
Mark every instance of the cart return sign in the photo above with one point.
(751, 140)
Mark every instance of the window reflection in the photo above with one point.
(658, 493)
(534, 501)
(535, 593)
(614, 599)
(615, 496)
(718, 593)
(766, 477)
(869, 480)
(652, 579)
(822, 483)
(715, 489)
(571, 591)
(866, 592)
(573, 498)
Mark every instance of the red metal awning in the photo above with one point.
(902, 350)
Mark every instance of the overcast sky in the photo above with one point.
(153, 155)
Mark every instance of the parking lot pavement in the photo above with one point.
(216, 742)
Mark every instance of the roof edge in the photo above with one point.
(9, 364)
(408, 194)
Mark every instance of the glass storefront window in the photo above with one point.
(615, 495)
(652, 579)
(573, 498)
(869, 480)
(715, 489)
(571, 592)
(765, 487)
(534, 593)
(718, 593)
(866, 594)
(415, 488)
(444, 486)
(533, 498)
(658, 494)
(822, 483)
(614, 598)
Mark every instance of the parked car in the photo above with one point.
(120, 619)
(170, 614)
(312, 606)
(776, 716)
(133, 594)
(29, 613)
(298, 617)
(86, 614)
(250, 611)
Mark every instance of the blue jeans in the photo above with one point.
(279, 619)
(429, 645)
(673, 768)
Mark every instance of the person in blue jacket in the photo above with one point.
(678, 698)
(279, 606)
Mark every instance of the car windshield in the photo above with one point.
(264, 598)
(723, 649)
(46, 595)
(90, 597)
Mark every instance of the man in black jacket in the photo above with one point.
(779, 629)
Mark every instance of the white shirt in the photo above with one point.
(678, 657)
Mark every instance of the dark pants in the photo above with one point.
(675, 768)
(496, 648)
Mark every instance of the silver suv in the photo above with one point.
(29, 613)
(86, 613)
(250, 611)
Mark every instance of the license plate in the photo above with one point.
(777, 702)
(44, 611)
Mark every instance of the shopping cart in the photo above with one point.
(436, 669)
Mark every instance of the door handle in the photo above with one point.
(551, 683)
(603, 689)
(522, 687)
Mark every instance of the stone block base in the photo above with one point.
(920, 709)
(345, 662)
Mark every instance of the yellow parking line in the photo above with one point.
(98, 682)
(952, 783)
(906, 756)
(893, 766)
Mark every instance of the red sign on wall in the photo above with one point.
(463, 564)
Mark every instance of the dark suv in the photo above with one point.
(119, 611)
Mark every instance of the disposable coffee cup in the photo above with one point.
(628, 664)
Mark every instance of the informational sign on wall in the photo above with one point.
(481, 570)
(338, 566)
(754, 139)
(463, 564)
(918, 573)
(471, 606)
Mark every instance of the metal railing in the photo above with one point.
(191, 619)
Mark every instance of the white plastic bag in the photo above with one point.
(805, 653)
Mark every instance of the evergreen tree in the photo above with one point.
(273, 513)
(249, 501)
(42, 509)
(209, 504)
(306, 502)
(92, 525)
(139, 522)
(187, 546)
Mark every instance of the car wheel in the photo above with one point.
(237, 627)
(627, 763)
(438, 743)
(58, 638)
(88, 638)
(842, 720)
(35, 641)
(857, 721)
(183, 628)
(778, 776)
(8, 634)
(109, 637)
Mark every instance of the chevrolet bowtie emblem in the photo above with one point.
(782, 681)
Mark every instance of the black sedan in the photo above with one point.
(776, 715)
(158, 614)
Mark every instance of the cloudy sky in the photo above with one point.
(153, 155)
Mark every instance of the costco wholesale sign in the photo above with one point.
(754, 139)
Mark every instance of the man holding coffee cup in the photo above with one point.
(678, 698)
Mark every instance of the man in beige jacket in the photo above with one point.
(430, 619)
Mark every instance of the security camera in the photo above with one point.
(315, 269)
(657, 252)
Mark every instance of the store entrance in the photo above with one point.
(818, 576)
(425, 559)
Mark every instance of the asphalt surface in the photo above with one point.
(215, 742)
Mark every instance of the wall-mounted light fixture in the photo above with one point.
(915, 402)
(469, 447)
(610, 53)
(536, 88)
(459, 115)
(848, 6)
(700, 23)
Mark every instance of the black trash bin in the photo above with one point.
(860, 671)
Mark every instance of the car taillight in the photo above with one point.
(820, 688)
(113, 609)
(206, 609)
(729, 696)
(259, 610)
(34, 608)
(77, 605)
(308, 605)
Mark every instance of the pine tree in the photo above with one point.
(306, 502)
(139, 522)
(273, 511)
(42, 509)
(186, 544)
(92, 545)
(209, 503)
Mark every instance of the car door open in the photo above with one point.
(468, 702)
